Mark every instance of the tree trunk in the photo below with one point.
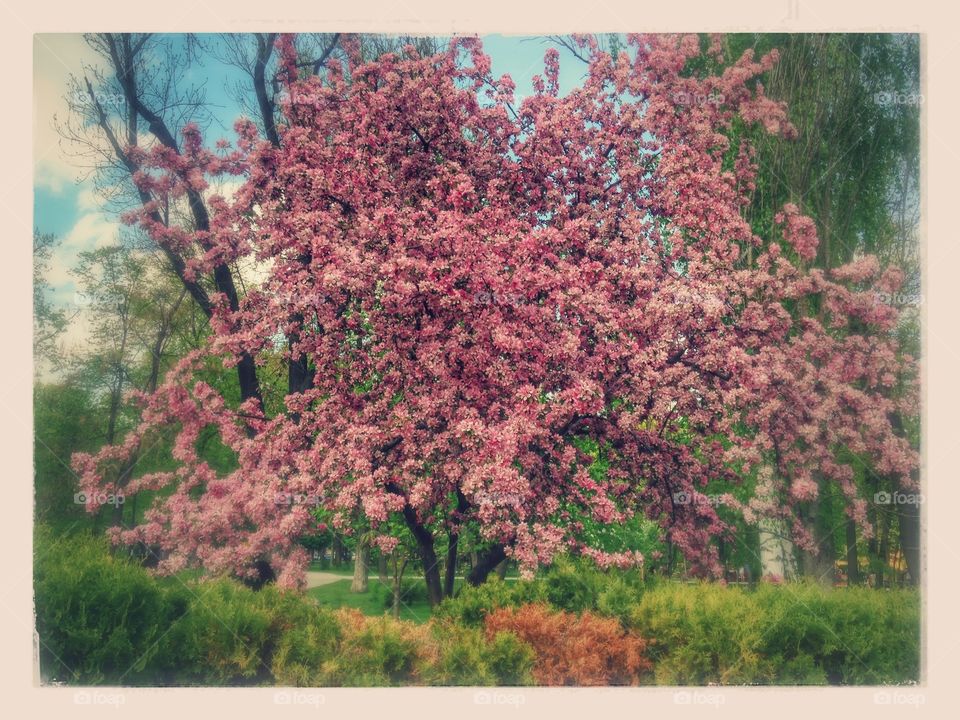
(336, 552)
(884, 548)
(398, 570)
(502, 569)
(382, 568)
(360, 568)
(777, 555)
(909, 516)
(820, 564)
(396, 600)
(873, 548)
(853, 561)
(451, 569)
(428, 556)
(485, 564)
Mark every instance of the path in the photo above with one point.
(316, 578)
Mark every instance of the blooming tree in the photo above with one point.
(494, 296)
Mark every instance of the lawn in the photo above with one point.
(376, 601)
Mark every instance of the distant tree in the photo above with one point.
(49, 321)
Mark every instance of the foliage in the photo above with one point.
(795, 633)
(100, 618)
(66, 420)
(378, 652)
(574, 649)
(103, 619)
(568, 584)
(49, 321)
(468, 656)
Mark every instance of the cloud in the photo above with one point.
(56, 57)
(92, 229)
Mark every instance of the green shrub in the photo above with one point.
(796, 633)
(473, 604)
(617, 598)
(857, 636)
(226, 638)
(100, 617)
(571, 586)
(510, 660)
(238, 636)
(376, 652)
(411, 591)
(308, 636)
(468, 657)
(104, 619)
(700, 633)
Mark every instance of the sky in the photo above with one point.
(65, 202)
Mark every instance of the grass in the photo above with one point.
(374, 602)
(347, 569)
(377, 600)
(325, 566)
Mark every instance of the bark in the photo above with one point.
(453, 545)
(396, 600)
(398, 570)
(884, 548)
(820, 563)
(123, 58)
(360, 568)
(382, 568)
(853, 561)
(777, 553)
(299, 375)
(428, 556)
(485, 564)
(265, 43)
(451, 567)
(502, 569)
(909, 517)
(872, 517)
(336, 552)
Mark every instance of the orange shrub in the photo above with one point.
(574, 650)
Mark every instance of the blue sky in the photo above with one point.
(65, 203)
